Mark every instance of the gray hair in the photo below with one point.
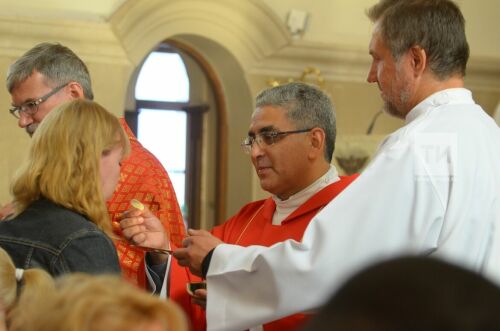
(437, 26)
(306, 106)
(57, 63)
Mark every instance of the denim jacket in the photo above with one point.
(57, 239)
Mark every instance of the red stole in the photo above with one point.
(253, 226)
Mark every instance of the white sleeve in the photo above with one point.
(162, 278)
(159, 280)
(376, 217)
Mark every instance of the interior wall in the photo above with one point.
(247, 42)
(328, 21)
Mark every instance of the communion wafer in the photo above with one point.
(137, 204)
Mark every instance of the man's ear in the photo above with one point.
(418, 60)
(76, 90)
(317, 139)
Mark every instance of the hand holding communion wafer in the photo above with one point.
(142, 228)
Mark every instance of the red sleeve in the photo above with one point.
(179, 278)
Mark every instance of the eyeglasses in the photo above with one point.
(267, 138)
(31, 107)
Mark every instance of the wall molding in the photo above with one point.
(93, 41)
(336, 62)
(247, 28)
(351, 64)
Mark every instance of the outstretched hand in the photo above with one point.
(143, 228)
(196, 247)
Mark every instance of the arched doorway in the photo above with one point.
(176, 117)
(230, 38)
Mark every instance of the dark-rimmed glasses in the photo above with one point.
(31, 107)
(267, 138)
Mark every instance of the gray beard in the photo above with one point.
(391, 109)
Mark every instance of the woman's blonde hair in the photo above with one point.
(102, 303)
(64, 159)
(17, 294)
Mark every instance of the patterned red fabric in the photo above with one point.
(143, 178)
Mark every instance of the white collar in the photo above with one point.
(444, 97)
(285, 207)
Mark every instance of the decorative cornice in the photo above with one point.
(336, 62)
(93, 41)
(247, 28)
(347, 63)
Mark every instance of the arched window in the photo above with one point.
(168, 125)
(168, 101)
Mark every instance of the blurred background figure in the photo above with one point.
(412, 293)
(102, 303)
(61, 223)
(18, 288)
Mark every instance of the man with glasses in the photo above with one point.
(51, 74)
(290, 142)
(30, 109)
(433, 188)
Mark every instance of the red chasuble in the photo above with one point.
(252, 225)
(143, 178)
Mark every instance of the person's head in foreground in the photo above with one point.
(74, 161)
(412, 293)
(19, 287)
(291, 137)
(418, 47)
(102, 303)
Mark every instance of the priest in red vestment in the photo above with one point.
(290, 141)
(143, 178)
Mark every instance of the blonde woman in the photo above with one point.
(101, 303)
(36, 284)
(61, 222)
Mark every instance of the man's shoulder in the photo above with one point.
(252, 207)
(336, 187)
(256, 204)
(346, 180)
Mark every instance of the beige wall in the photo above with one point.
(344, 22)
(247, 42)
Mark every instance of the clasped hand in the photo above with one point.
(143, 228)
